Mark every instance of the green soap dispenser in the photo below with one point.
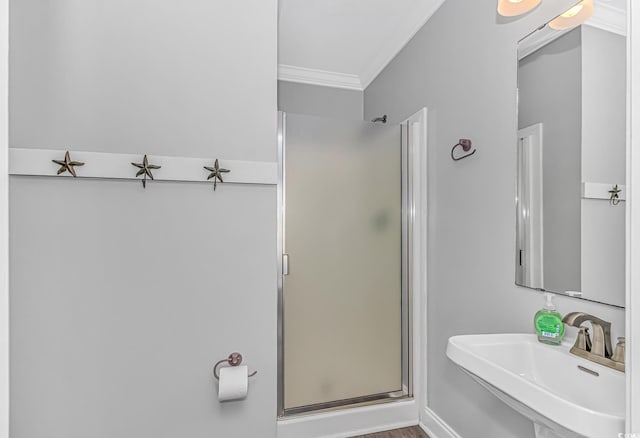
(548, 323)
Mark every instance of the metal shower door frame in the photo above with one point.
(408, 218)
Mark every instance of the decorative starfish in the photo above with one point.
(67, 165)
(145, 169)
(216, 173)
(615, 198)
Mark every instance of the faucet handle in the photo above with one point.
(588, 338)
(583, 341)
(618, 354)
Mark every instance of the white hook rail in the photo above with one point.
(38, 162)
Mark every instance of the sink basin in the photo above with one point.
(557, 390)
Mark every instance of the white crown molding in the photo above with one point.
(416, 19)
(605, 17)
(538, 39)
(608, 18)
(397, 42)
(302, 75)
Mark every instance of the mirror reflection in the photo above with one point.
(571, 162)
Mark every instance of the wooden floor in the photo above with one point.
(408, 432)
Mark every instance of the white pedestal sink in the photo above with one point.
(564, 395)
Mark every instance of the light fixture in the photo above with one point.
(573, 16)
(510, 8)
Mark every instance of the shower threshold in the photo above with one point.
(367, 400)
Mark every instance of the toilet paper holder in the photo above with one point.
(233, 360)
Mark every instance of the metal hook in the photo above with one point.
(145, 169)
(67, 165)
(216, 173)
(233, 360)
(382, 119)
(465, 143)
(615, 197)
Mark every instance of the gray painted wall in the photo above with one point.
(145, 76)
(123, 299)
(550, 88)
(604, 97)
(463, 68)
(320, 101)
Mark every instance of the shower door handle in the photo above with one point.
(285, 264)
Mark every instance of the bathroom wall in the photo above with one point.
(462, 66)
(128, 76)
(321, 101)
(550, 88)
(122, 299)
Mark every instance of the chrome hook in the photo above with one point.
(233, 360)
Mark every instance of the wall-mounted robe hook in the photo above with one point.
(465, 144)
(233, 360)
(145, 169)
(216, 173)
(67, 165)
(615, 195)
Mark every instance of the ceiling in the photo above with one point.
(347, 43)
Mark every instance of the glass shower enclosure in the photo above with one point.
(343, 249)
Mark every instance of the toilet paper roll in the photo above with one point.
(234, 383)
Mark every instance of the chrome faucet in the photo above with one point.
(599, 348)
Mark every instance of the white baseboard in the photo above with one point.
(351, 422)
(435, 426)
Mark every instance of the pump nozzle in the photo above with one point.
(549, 303)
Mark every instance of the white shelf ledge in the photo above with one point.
(601, 191)
(37, 162)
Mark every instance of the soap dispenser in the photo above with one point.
(548, 322)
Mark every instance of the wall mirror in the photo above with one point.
(571, 144)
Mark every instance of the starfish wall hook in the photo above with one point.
(216, 173)
(145, 169)
(67, 165)
(615, 197)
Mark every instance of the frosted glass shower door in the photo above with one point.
(342, 297)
